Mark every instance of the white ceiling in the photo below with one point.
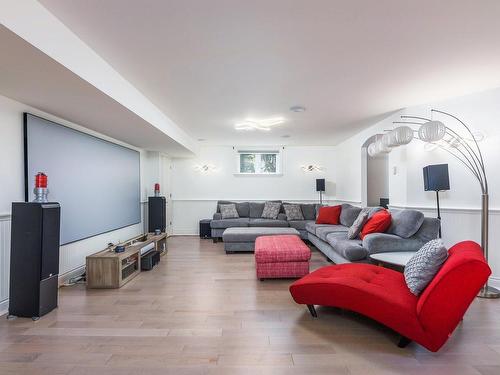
(209, 64)
(31, 77)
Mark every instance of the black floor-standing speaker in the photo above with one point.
(157, 211)
(34, 259)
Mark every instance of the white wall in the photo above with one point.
(194, 194)
(72, 256)
(461, 205)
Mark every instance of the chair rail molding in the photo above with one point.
(463, 210)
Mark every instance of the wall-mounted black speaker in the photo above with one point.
(436, 177)
(320, 184)
(34, 259)
(157, 211)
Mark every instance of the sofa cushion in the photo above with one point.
(250, 234)
(228, 211)
(424, 265)
(348, 214)
(229, 223)
(308, 211)
(378, 223)
(267, 223)
(322, 232)
(293, 212)
(329, 215)
(256, 209)
(352, 250)
(406, 223)
(311, 226)
(357, 226)
(299, 224)
(242, 207)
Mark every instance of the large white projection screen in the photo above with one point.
(96, 182)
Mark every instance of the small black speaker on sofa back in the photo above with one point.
(436, 177)
(34, 259)
(157, 212)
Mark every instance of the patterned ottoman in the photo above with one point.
(281, 256)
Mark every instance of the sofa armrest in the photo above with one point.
(383, 242)
(217, 216)
(281, 216)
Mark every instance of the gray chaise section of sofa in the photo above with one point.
(243, 239)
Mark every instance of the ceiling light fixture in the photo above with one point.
(312, 168)
(205, 168)
(297, 108)
(264, 125)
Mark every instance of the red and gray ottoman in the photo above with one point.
(281, 256)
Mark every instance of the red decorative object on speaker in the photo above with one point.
(157, 190)
(41, 192)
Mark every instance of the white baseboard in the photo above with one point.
(494, 282)
(64, 278)
(4, 307)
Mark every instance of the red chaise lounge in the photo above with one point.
(382, 294)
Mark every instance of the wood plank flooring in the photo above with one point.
(203, 312)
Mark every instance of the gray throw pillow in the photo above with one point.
(228, 211)
(348, 214)
(405, 223)
(424, 265)
(293, 212)
(271, 210)
(357, 226)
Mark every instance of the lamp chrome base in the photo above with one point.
(489, 292)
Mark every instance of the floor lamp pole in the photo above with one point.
(438, 212)
(487, 291)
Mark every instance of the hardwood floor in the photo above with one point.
(203, 312)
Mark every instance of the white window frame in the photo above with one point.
(258, 151)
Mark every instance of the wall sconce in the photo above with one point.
(312, 168)
(205, 168)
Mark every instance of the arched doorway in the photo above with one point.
(374, 175)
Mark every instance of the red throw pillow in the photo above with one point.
(378, 223)
(329, 215)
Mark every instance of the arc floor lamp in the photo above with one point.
(464, 148)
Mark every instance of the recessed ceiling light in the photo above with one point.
(285, 136)
(297, 108)
(265, 125)
(201, 139)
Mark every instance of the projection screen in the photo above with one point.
(96, 182)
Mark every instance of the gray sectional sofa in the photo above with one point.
(250, 216)
(409, 230)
